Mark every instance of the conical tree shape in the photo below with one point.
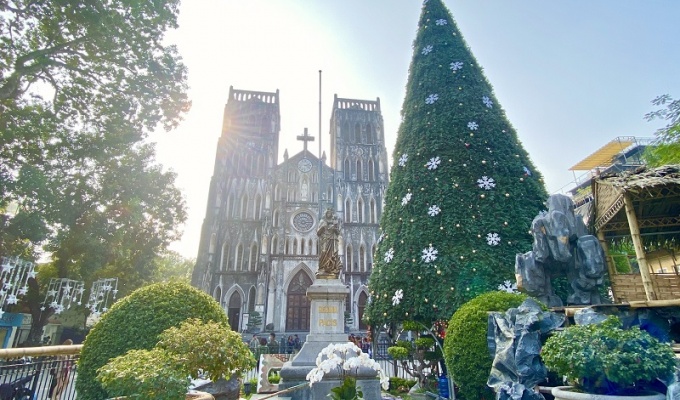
(463, 191)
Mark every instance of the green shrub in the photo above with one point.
(400, 385)
(146, 374)
(465, 349)
(209, 347)
(135, 322)
(603, 358)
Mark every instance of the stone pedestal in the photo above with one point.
(327, 325)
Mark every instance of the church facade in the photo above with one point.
(259, 250)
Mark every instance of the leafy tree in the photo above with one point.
(81, 86)
(666, 148)
(463, 191)
(170, 265)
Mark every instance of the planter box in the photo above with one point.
(565, 393)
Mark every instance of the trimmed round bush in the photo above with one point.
(465, 349)
(135, 323)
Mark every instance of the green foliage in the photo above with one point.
(424, 343)
(666, 148)
(465, 349)
(466, 265)
(400, 385)
(603, 358)
(254, 321)
(170, 265)
(209, 347)
(398, 352)
(82, 84)
(347, 391)
(135, 322)
(145, 374)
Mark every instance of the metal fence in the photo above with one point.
(38, 378)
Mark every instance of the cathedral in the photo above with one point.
(258, 252)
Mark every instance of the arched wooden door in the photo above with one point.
(297, 314)
(234, 311)
(361, 305)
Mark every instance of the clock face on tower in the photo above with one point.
(304, 165)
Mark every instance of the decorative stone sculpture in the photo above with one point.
(561, 247)
(329, 235)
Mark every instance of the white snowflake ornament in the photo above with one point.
(508, 286)
(403, 159)
(429, 254)
(527, 171)
(433, 210)
(432, 98)
(406, 199)
(493, 239)
(433, 163)
(456, 65)
(486, 183)
(389, 255)
(441, 22)
(398, 295)
(487, 101)
(381, 237)
(473, 126)
(12, 299)
(427, 50)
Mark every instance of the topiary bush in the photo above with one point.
(465, 349)
(135, 322)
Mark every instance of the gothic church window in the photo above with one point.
(371, 170)
(370, 134)
(275, 245)
(251, 299)
(295, 247)
(346, 170)
(362, 259)
(244, 206)
(360, 211)
(373, 212)
(349, 258)
(224, 256)
(239, 258)
(258, 206)
(310, 249)
(253, 258)
(211, 246)
(356, 137)
(360, 175)
(275, 220)
(348, 213)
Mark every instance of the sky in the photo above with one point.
(571, 75)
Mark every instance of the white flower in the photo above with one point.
(472, 125)
(486, 183)
(427, 50)
(433, 163)
(429, 254)
(441, 21)
(406, 199)
(493, 239)
(508, 286)
(403, 159)
(389, 255)
(487, 101)
(456, 65)
(431, 98)
(343, 357)
(398, 295)
(433, 210)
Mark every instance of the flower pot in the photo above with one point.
(566, 393)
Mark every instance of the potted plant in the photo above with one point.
(607, 361)
(162, 373)
(344, 359)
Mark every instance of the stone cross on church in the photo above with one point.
(305, 138)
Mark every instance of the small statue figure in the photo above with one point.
(329, 234)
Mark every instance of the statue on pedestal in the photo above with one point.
(329, 235)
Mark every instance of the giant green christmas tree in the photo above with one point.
(463, 191)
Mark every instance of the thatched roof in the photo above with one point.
(655, 194)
